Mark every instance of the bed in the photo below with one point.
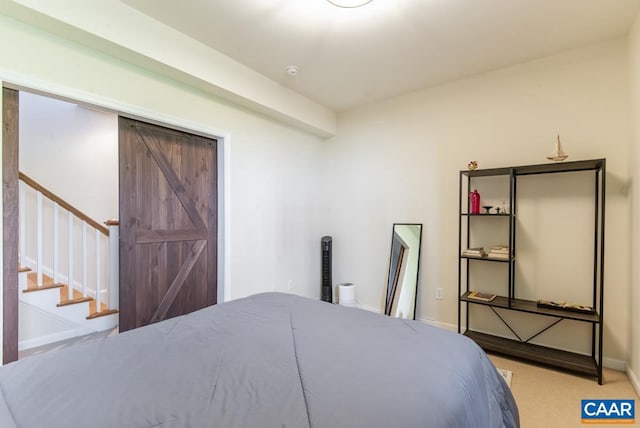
(268, 360)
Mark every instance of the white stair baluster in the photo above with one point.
(56, 242)
(34, 233)
(71, 257)
(39, 234)
(98, 272)
(22, 207)
(85, 272)
(114, 264)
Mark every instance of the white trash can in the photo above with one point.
(347, 294)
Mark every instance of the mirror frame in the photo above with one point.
(395, 268)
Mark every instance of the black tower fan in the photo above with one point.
(326, 269)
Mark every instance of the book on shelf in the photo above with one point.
(485, 297)
(503, 256)
(474, 252)
(499, 252)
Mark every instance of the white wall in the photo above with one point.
(72, 151)
(634, 301)
(398, 161)
(273, 173)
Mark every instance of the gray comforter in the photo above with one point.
(269, 360)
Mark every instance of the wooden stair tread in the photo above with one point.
(68, 302)
(93, 309)
(64, 294)
(77, 296)
(23, 269)
(31, 276)
(102, 313)
(32, 283)
(49, 286)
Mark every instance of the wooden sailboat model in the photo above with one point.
(558, 154)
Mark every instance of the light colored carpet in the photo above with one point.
(549, 398)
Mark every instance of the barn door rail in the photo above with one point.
(84, 256)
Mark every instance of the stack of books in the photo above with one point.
(499, 252)
(474, 252)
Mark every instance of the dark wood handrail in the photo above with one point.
(55, 198)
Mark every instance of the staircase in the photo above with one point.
(53, 297)
(79, 298)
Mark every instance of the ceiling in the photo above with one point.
(348, 57)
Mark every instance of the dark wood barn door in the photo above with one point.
(168, 223)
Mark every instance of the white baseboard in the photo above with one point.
(369, 308)
(439, 324)
(633, 379)
(614, 364)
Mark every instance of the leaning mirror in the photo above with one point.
(404, 267)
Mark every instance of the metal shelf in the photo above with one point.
(580, 363)
(486, 259)
(532, 307)
(486, 215)
(587, 364)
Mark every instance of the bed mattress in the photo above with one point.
(268, 360)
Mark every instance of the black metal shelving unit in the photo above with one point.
(521, 347)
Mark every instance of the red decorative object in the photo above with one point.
(474, 199)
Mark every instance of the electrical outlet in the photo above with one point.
(439, 293)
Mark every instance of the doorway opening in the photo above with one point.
(11, 202)
(68, 189)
